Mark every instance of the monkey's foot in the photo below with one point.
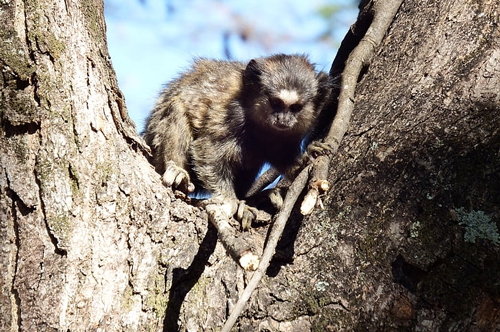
(177, 178)
(239, 212)
(269, 200)
(275, 198)
(246, 215)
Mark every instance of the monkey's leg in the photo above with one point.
(247, 215)
(217, 162)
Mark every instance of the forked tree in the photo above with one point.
(406, 238)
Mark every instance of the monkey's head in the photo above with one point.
(283, 93)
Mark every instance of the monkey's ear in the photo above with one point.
(325, 83)
(325, 86)
(253, 70)
(323, 80)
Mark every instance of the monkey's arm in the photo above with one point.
(315, 149)
(168, 134)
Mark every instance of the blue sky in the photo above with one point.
(151, 43)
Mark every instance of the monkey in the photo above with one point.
(213, 128)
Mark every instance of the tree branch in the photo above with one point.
(384, 12)
(235, 245)
(263, 181)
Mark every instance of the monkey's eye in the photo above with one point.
(276, 103)
(296, 108)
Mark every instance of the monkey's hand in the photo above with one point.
(318, 148)
(313, 150)
(177, 178)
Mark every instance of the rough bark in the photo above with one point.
(91, 240)
(84, 243)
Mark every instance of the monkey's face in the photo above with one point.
(283, 90)
(285, 110)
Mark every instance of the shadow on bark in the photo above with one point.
(285, 249)
(183, 280)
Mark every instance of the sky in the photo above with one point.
(152, 41)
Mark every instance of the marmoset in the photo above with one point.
(214, 127)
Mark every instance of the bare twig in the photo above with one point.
(279, 224)
(263, 181)
(316, 189)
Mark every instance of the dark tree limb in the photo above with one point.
(263, 181)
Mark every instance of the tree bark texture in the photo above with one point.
(92, 241)
(83, 215)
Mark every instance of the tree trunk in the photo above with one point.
(408, 239)
(83, 214)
